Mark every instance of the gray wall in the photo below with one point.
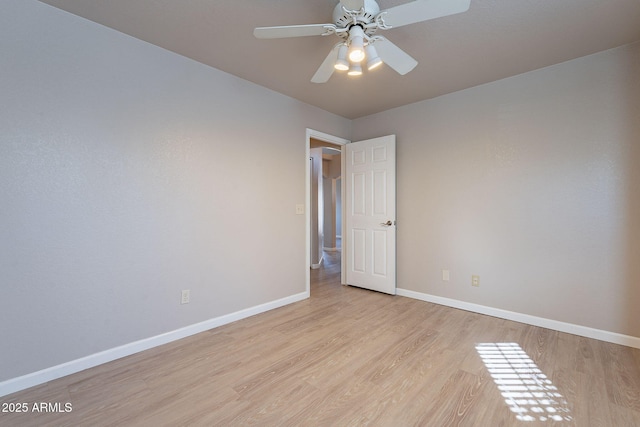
(128, 173)
(530, 182)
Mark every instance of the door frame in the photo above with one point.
(325, 137)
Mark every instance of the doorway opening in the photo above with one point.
(324, 201)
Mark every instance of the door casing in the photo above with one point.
(321, 136)
(311, 133)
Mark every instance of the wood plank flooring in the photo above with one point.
(350, 357)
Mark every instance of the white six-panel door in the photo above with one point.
(370, 214)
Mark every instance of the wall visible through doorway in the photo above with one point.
(325, 204)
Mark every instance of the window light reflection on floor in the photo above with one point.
(525, 388)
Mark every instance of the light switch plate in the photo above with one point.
(299, 209)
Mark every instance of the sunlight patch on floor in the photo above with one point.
(525, 388)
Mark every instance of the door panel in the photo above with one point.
(358, 244)
(380, 192)
(358, 191)
(370, 214)
(380, 252)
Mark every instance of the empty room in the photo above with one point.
(321, 213)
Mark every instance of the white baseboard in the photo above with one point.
(555, 325)
(330, 249)
(40, 377)
(318, 265)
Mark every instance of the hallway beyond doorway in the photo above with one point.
(329, 271)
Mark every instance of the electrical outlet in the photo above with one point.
(475, 281)
(186, 296)
(445, 275)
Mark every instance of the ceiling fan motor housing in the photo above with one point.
(345, 19)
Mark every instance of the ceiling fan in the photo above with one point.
(356, 23)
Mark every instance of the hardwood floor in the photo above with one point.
(350, 357)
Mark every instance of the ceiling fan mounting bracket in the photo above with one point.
(330, 29)
(380, 22)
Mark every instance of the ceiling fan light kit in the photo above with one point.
(356, 44)
(356, 22)
(341, 62)
(355, 70)
(373, 60)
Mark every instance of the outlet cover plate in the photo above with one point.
(186, 296)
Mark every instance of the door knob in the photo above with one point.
(388, 223)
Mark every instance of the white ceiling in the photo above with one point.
(493, 40)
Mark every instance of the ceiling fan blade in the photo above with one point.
(423, 10)
(352, 4)
(293, 31)
(394, 57)
(325, 71)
